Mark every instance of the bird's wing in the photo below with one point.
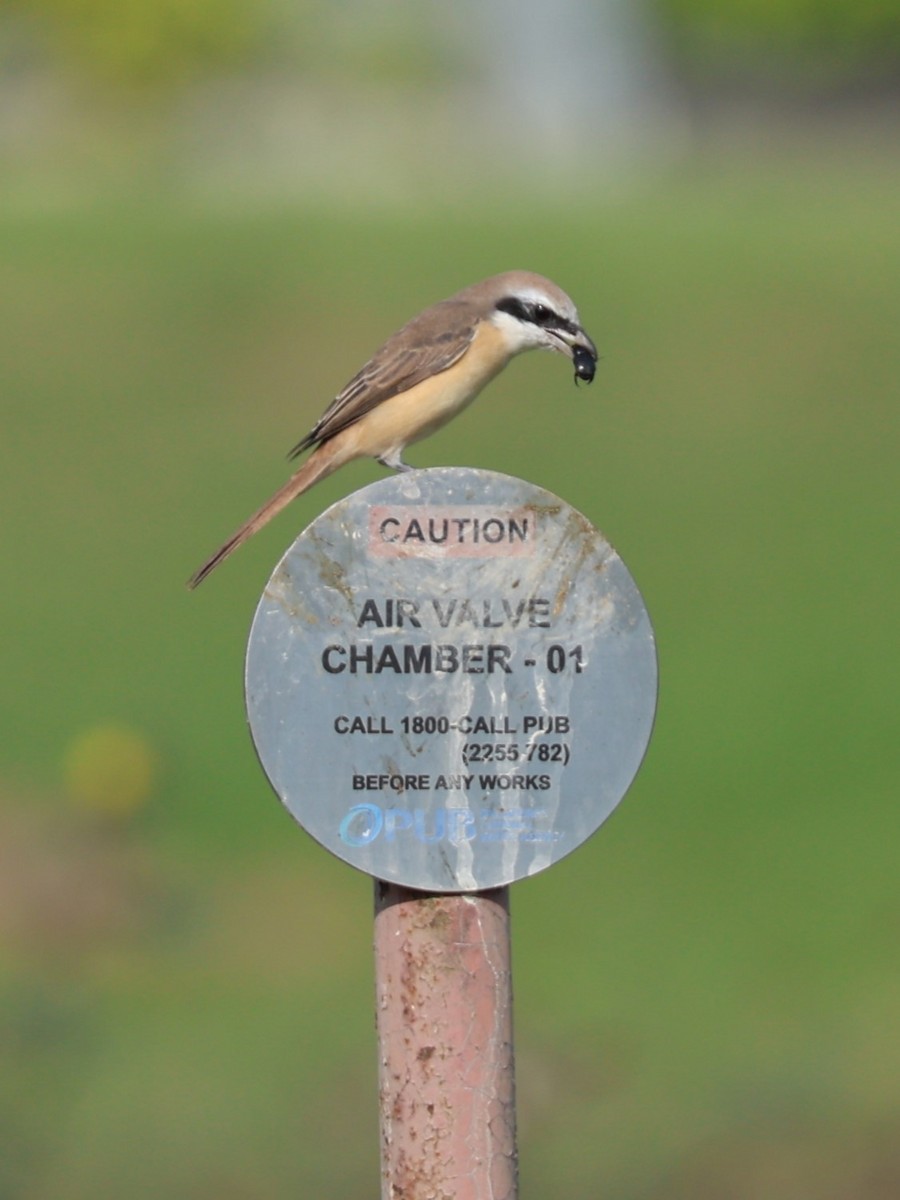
(425, 346)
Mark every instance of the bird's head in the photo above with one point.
(533, 313)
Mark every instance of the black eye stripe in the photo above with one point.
(515, 307)
(536, 314)
(565, 324)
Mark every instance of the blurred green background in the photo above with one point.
(209, 216)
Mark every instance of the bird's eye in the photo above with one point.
(542, 314)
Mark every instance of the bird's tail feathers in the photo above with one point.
(325, 460)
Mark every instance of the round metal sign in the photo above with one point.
(451, 679)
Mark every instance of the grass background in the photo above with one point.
(707, 993)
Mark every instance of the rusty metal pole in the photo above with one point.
(444, 1015)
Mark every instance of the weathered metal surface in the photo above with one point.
(444, 1013)
(451, 679)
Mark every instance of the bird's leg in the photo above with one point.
(394, 461)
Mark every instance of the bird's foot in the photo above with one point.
(395, 462)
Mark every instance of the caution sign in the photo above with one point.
(451, 679)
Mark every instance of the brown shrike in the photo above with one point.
(424, 375)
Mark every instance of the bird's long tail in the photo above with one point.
(321, 463)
